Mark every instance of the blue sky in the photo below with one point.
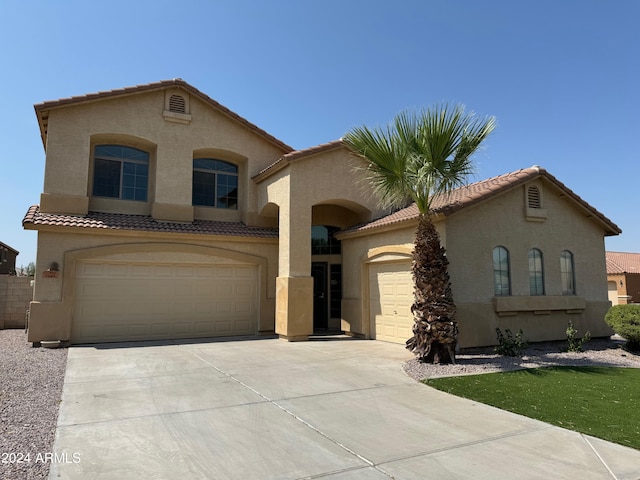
(562, 78)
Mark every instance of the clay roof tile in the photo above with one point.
(479, 191)
(118, 221)
(623, 262)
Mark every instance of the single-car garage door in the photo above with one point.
(147, 301)
(391, 296)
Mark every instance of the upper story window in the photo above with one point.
(536, 272)
(120, 172)
(323, 240)
(215, 183)
(567, 274)
(501, 280)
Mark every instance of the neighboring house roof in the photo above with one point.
(9, 248)
(123, 222)
(622, 262)
(478, 192)
(296, 155)
(42, 109)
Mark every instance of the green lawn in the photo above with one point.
(600, 401)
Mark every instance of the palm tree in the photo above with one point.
(418, 156)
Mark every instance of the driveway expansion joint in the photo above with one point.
(296, 417)
(595, 451)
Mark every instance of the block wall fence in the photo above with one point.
(15, 295)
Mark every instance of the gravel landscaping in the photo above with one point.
(604, 352)
(30, 390)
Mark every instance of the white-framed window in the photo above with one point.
(215, 183)
(120, 172)
(567, 273)
(536, 272)
(501, 275)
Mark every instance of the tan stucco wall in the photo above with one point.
(357, 255)
(138, 121)
(52, 309)
(319, 189)
(469, 237)
(475, 231)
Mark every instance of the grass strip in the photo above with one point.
(600, 401)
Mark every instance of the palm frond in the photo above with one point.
(420, 154)
(385, 163)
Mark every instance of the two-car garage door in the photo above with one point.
(147, 301)
(391, 296)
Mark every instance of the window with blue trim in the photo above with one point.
(215, 183)
(120, 172)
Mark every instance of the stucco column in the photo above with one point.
(294, 285)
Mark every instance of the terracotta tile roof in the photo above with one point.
(623, 262)
(479, 191)
(42, 109)
(117, 221)
(295, 155)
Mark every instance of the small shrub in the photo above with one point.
(625, 321)
(575, 344)
(508, 345)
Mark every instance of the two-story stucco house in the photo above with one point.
(165, 215)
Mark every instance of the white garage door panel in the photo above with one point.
(391, 296)
(119, 301)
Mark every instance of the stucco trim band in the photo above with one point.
(540, 305)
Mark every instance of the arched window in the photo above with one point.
(501, 280)
(536, 272)
(120, 172)
(533, 197)
(215, 183)
(567, 273)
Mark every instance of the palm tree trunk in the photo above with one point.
(435, 331)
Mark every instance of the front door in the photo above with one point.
(320, 300)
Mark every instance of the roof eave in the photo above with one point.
(146, 233)
(42, 109)
(400, 224)
(296, 155)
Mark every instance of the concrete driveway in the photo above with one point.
(264, 408)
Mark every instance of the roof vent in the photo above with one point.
(533, 197)
(177, 104)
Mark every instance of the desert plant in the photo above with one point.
(575, 343)
(419, 156)
(625, 321)
(510, 345)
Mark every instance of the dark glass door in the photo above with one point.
(320, 300)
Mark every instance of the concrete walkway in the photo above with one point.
(267, 409)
